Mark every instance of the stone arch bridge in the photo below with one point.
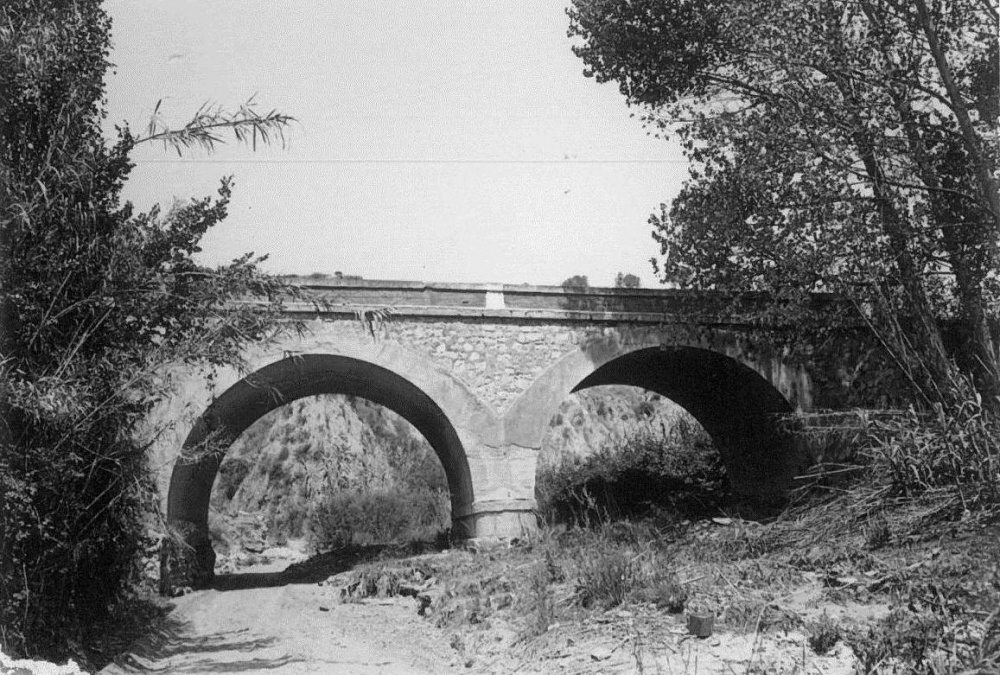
(480, 370)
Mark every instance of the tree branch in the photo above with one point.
(983, 172)
(246, 124)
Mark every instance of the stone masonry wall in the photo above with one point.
(499, 359)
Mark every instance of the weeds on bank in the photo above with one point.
(958, 451)
(610, 572)
(347, 517)
(605, 579)
(864, 535)
(677, 469)
(867, 536)
(580, 580)
(912, 642)
(824, 634)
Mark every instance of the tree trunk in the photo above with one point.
(965, 237)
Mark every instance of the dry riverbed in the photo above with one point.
(786, 597)
(248, 625)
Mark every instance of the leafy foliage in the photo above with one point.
(95, 301)
(842, 145)
(576, 282)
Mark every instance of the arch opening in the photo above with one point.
(736, 406)
(271, 387)
(615, 452)
(323, 472)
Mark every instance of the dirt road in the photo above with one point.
(260, 622)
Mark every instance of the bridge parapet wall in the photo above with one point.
(663, 304)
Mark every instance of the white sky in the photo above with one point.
(437, 140)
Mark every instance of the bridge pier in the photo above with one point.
(503, 478)
(498, 519)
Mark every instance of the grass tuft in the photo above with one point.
(824, 634)
(606, 579)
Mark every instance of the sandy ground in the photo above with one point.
(248, 625)
(264, 620)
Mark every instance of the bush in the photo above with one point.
(663, 589)
(231, 475)
(95, 302)
(347, 517)
(923, 451)
(542, 609)
(680, 469)
(878, 531)
(919, 452)
(926, 642)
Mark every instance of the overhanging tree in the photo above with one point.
(838, 145)
(95, 302)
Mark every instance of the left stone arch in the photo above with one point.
(288, 380)
(452, 419)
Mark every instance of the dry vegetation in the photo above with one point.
(890, 564)
(827, 584)
(886, 563)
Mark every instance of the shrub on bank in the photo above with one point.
(678, 467)
(352, 517)
(915, 453)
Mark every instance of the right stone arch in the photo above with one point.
(735, 404)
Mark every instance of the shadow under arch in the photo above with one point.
(269, 388)
(736, 405)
